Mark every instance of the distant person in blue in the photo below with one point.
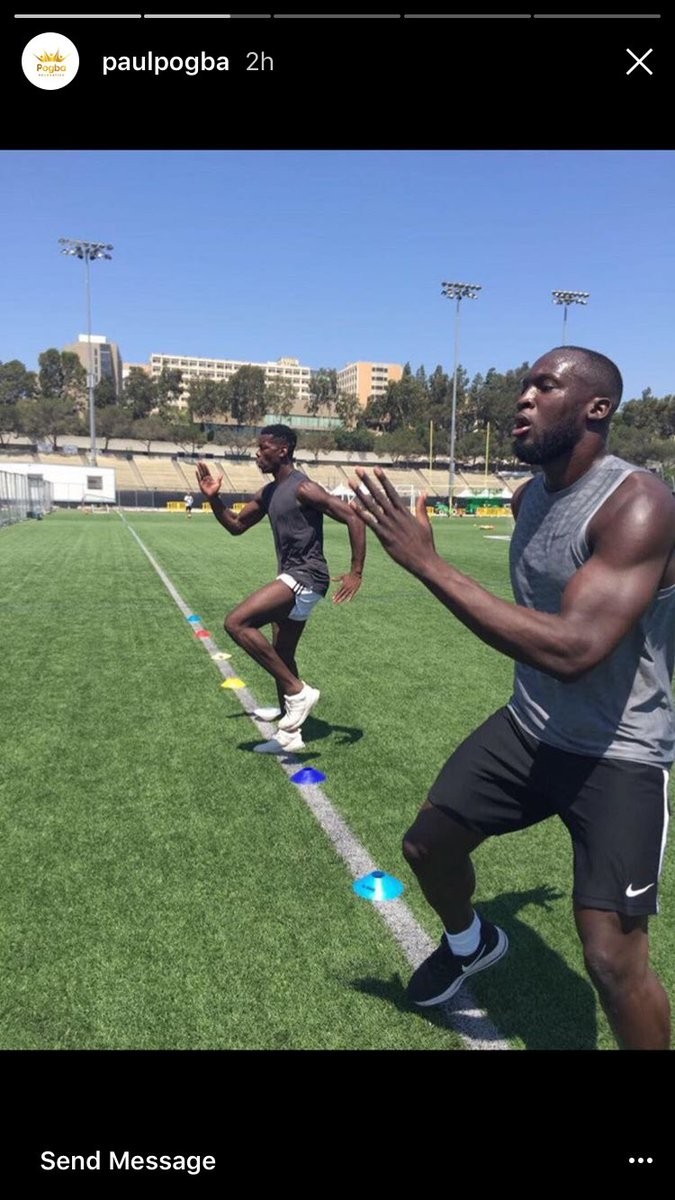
(296, 507)
(589, 733)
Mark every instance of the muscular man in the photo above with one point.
(296, 507)
(589, 732)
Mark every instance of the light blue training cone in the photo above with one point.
(194, 620)
(378, 886)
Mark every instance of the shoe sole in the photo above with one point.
(299, 724)
(491, 958)
(281, 750)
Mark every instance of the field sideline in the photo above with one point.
(166, 888)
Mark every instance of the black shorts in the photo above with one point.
(500, 780)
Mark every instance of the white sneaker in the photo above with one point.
(299, 707)
(283, 743)
(267, 714)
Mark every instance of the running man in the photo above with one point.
(589, 732)
(296, 507)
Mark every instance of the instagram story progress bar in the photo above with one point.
(336, 16)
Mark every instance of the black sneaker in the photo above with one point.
(443, 973)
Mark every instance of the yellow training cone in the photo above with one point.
(233, 683)
(220, 656)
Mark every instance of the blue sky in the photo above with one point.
(331, 256)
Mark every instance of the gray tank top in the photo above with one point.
(298, 533)
(623, 708)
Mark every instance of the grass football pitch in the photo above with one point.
(166, 888)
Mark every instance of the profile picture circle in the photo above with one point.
(50, 61)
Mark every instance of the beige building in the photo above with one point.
(366, 379)
(106, 358)
(362, 379)
(129, 366)
(286, 369)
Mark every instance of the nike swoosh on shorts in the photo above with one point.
(631, 891)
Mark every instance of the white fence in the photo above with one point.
(22, 497)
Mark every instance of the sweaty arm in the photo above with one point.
(313, 496)
(632, 539)
(234, 523)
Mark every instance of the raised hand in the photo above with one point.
(407, 539)
(209, 484)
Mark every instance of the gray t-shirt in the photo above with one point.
(623, 708)
(298, 533)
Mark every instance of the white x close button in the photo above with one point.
(639, 62)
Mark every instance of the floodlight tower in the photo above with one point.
(458, 292)
(88, 252)
(567, 298)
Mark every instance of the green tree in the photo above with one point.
(403, 405)
(281, 398)
(208, 398)
(324, 392)
(236, 440)
(140, 394)
(401, 444)
(359, 440)
(247, 395)
(439, 393)
(492, 399)
(16, 384)
(113, 422)
(187, 433)
(9, 422)
(347, 409)
(47, 418)
(104, 393)
(168, 390)
(653, 416)
(317, 440)
(62, 377)
(151, 429)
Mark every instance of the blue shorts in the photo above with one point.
(305, 598)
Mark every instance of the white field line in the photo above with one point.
(461, 1013)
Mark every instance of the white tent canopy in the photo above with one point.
(343, 492)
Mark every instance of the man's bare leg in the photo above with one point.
(616, 953)
(269, 605)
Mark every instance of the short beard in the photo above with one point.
(548, 446)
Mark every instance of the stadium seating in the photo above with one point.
(159, 474)
(329, 475)
(245, 478)
(126, 474)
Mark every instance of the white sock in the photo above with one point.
(466, 942)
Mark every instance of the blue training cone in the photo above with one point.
(307, 775)
(194, 620)
(378, 886)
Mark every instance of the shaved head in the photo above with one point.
(598, 372)
(567, 396)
